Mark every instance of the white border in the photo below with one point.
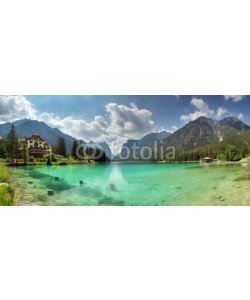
(116, 47)
(124, 253)
(137, 47)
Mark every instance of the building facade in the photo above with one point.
(36, 146)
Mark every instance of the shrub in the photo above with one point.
(4, 175)
(221, 156)
(6, 195)
(53, 158)
(231, 152)
(237, 157)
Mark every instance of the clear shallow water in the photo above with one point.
(136, 184)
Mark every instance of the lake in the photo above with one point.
(133, 184)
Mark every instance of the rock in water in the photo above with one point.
(112, 187)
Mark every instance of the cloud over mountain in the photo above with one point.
(120, 123)
(15, 108)
(221, 112)
(77, 127)
(202, 110)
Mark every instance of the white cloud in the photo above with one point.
(14, 108)
(122, 123)
(234, 98)
(119, 124)
(240, 116)
(77, 127)
(174, 128)
(221, 112)
(193, 116)
(129, 121)
(201, 106)
(203, 110)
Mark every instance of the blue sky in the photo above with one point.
(118, 118)
(166, 110)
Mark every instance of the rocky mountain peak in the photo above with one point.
(234, 122)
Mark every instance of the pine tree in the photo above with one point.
(12, 144)
(2, 150)
(61, 147)
(74, 148)
(48, 161)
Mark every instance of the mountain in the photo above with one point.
(150, 140)
(153, 136)
(27, 127)
(234, 122)
(202, 132)
(197, 133)
(239, 140)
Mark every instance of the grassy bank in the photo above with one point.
(6, 191)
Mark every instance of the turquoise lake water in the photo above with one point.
(135, 184)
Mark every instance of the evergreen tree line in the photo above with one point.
(229, 153)
(233, 147)
(11, 148)
(61, 149)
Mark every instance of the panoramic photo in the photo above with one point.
(124, 150)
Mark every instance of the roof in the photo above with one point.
(35, 137)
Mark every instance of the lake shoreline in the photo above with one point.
(84, 162)
(225, 192)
